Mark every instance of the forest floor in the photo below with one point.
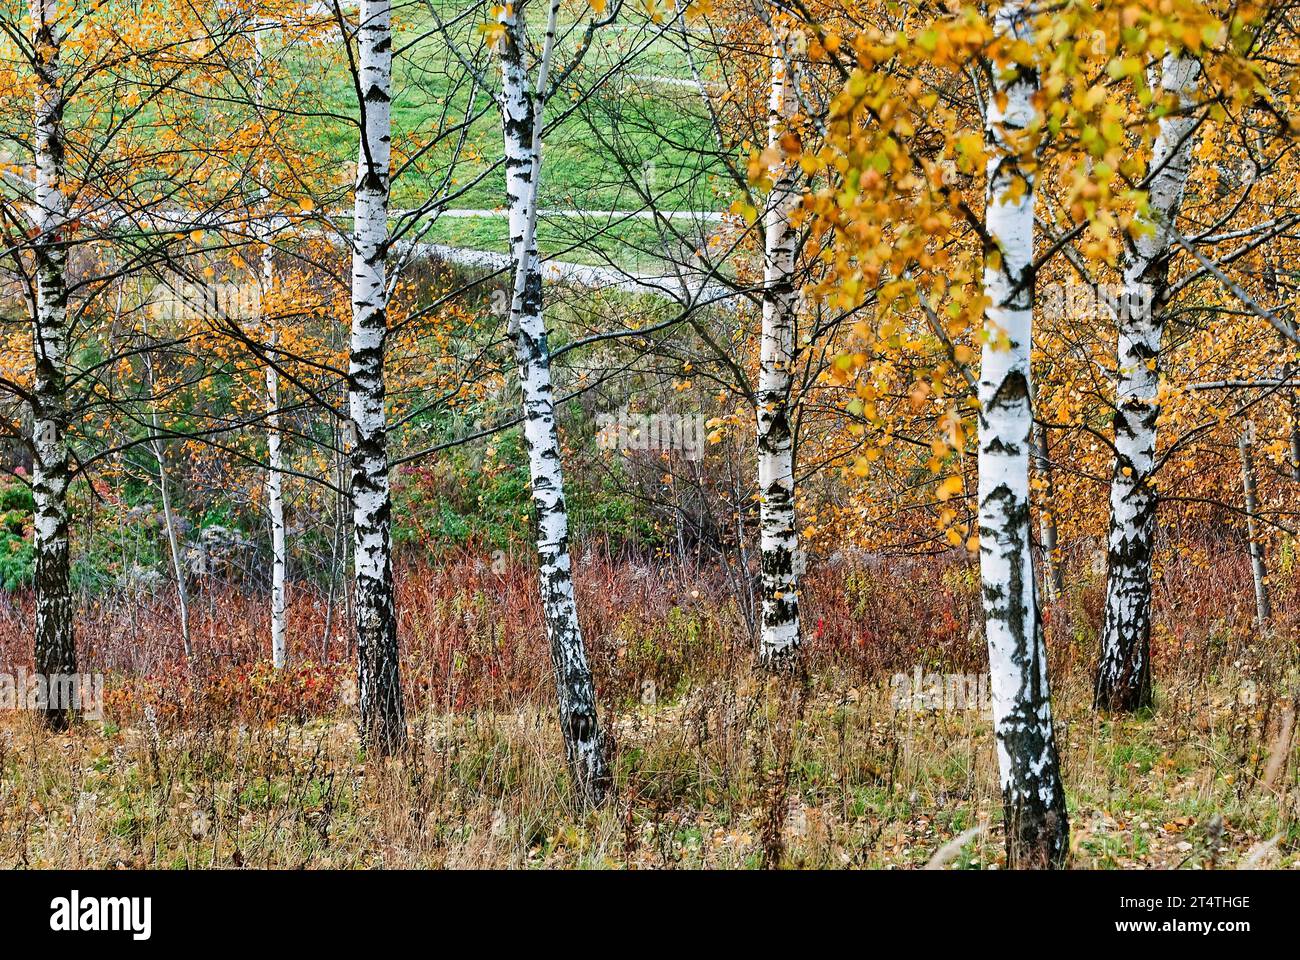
(227, 763)
(723, 778)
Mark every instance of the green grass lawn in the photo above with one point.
(631, 244)
(652, 127)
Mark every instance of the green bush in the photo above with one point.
(17, 561)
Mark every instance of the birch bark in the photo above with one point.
(1033, 798)
(274, 436)
(521, 109)
(275, 506)
(1259, 574)
(1053, 576)
(778, 536)
(1123, 679)
(55, 651)
(379, 689)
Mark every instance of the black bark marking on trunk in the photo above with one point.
(55, 650)
(1037, 827)
(584, 742)
(1123, 680)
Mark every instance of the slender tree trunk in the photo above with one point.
(338, 551)
(275, 511)
(1288, 371)
(1293, 400)
(1263, 608)
(778, 535)
(56, 651)
(521, 123)
(1123, 679)
(379, 688)
(1054, 578)
(274, 451)
(1033, 798)
(169, 517)
(1284, 313)
(178, 563)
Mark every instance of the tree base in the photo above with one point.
(383, 736)
(1116, 700)
(58, 721)
(781, 660)
(1038, 838)
(1123, 695)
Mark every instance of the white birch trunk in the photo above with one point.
(383, 723)
(274, 451)
(1033, 798)
(778, 535)
(1124, 669)
(1293, 401)
(173, 545)
(1053, 576)
(1293, 404)
(521, 125)
(55, 651)
(275, 510)
(1263, 607)
(169, 516)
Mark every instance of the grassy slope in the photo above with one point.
(578, 172)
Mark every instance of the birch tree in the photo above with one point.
(90, 199)
(1250, 494)
(1123, 679)
(522, 104)
(275, 487)
(274, 435)
(1053, 576)
(779, 538)
(1032, 794)
(55, 642)
(383, 723)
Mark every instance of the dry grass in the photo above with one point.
(235, 766)
(716, 780)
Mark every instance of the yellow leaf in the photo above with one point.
(950, 487)
(493, 33)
